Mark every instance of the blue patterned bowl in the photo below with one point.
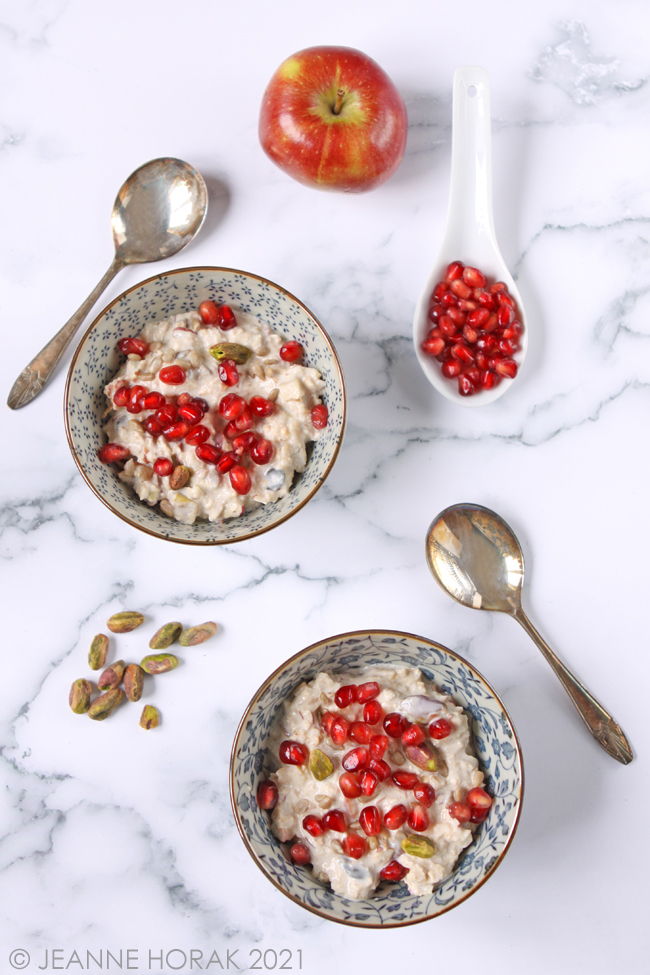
(497, 749)
(97, 360)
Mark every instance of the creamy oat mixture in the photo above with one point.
(185, 340)
(300, 794)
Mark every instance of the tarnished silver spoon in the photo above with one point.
(156, 213)
(476, 558)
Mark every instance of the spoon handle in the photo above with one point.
(34, 376)
(601, 724)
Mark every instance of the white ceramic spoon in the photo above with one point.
(469, 235)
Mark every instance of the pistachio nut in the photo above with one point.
(320, 765)
(423, 756)
(105, 704)
(98, 651)
(165, 636)
(112, 676)
(124, 622)
(159, 663)
(133, 682)
(150, 717)
(418, 846)
(230, 350)
(179, 477)
(79, 699)
(197, 634)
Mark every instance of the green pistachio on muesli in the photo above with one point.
(79, 699)
(418, 846)
(423, 756)
(165, 636)
(159, 663)
(197, 634)
(133, 682)
(112, 676)
(98, 651)
(105, 704)
(124, 622)
(150, 717)
(320, 765)
(230, 350)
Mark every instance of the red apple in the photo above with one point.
(331, 118)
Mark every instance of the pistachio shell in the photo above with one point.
(197, 634)
(230, 350)
(320, 765)
(105, 704)
(179, 477)
(79, 699)
(159, 663)
(418, 846)
(112, 676)
(165, 636)
(124, 622)
(98, 651)
(150, 717)
(423, 756)
(133, 682)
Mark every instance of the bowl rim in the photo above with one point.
(269, 680)
(257, 532)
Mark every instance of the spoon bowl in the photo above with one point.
(469, 233)
(476, 558)
(158, 210)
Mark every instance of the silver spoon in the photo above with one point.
(476, 558)
(156, 213)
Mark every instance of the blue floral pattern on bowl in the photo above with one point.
(177, 292)
(497, 750)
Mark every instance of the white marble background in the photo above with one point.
(110, 838)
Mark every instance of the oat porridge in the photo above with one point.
(376, 780)
(211, 413)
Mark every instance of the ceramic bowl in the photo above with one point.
(97, 360)
(497, 749)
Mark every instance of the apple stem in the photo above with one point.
(339, 101)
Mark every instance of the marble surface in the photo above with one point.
(113, 839)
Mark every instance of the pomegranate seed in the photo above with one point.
(172, 375)
(121, 396)
(231, 406)
(176, 431)
(300, 854)
(225, 463)
(360, 731)
(350, 785)
(166, 414)
(465, 386)
(486, 343)
(261, 406)
(460, 811)
(455, 270)
(478, 317)
(313, 825)
(368, 780)
(326, 721)
(489, 379)
(183, 399)
(267, 794)
(478, 815)
(418, 818)
(339, 730)
(506, 367)
(470, 334)
(447, 326)
(152, 427)
(197, 435)
(448, 299)
(462, 353)
(136, 396)
(367, 691)
(424, 794)
(478, 799)
(486, 300)
(227, 318)
(346, 695)
(440, 290)
(395, 817)
(482, 361)
(380, 768)
(262, 451)
(457, 316)
(498, 286)
(133, 346)
(473, 373)
(355, 759)
(393, 871)
(395, 724)
(112, 452)
(434, 313)
(291, 351)
(293, 753)
(440, 729)
(372, 712)
(240, 479)
(378, 746)
(354, 846)
(505, 314)
(243, 442)
(163, 467)
(405, 780)
(209, 312)
(201, 403)
(507, 347)
(191, 413)
(245, 420)
(513, 331)
(335, 820)
(227, 371)
(370, 820)
(467, 305)
(473, 277)
(153, 401)
(207, 453)
(460, 289)
(319, 416)
(433, 344)
(491, 323)
(230, 430)
(413, 735)
(452, 368)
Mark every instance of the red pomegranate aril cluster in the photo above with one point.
(475, 332)
(474, 809)
(222, 315)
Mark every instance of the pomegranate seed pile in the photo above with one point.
(475, 330)
(366, 754)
